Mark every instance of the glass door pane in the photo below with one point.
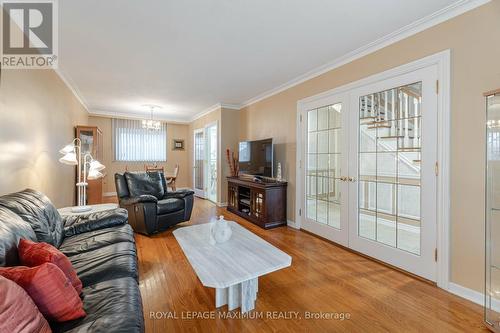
(323, 166)
(199, 157)
(389, 162)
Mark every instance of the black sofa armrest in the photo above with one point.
(140, 199)
(77, 224)
(180, 194)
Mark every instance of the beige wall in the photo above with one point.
(37, 117)
(174, 131)
(229, 132)
(475, 68)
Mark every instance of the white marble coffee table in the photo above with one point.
(233, 267)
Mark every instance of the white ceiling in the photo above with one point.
(188, 55)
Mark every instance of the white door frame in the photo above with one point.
(442, 61)
(197, 192)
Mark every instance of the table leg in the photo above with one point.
(241, 295)
(233, 296)
(220, 297)
(248, 295)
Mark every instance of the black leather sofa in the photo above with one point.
(151, 208)
(101, 248)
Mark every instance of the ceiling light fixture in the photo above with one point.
(151, 124)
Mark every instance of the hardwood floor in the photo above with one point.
(323, 278)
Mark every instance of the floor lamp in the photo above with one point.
(72, 155)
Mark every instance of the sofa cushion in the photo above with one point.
(111, 306)
(35, 208)
(18, 313)
(77, 224)
(169, 205)
(140, 183)
(49, 288)
(106, 263)
(33, 254)
(96, 239)
(12, 229)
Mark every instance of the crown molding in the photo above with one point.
(213, 108)
(72, 87)
(230, 106)
(136, 116)
(422, 24)
(208, 110)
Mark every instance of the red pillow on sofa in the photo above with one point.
(18, 313)
(49, 288)
(34, 254)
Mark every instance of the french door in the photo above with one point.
(326, 168)
(205, 162)
(369, 176)
(199, 162)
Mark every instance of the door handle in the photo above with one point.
(352, 179)
(343, 178)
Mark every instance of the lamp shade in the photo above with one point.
(94, 174)
(96, 165)
(69, 159)
(67, 149)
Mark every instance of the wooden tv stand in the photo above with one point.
(262, 203)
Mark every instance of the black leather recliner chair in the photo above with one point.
(151, 208)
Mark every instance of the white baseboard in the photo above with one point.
(292, 224)
(464, 292)
(472, 295)
(221, 204)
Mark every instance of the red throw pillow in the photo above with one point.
(34, 254)
(49, 288)
(18, 313)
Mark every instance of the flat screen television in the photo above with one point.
(256, 157)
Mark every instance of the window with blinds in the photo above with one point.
(133, 143)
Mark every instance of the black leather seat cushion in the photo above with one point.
(111, 306)
(12, 229)
(106, 263)
(35, 208)
(169, 205)
(140, 183)
(96, 239)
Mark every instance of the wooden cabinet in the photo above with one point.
(263, 203)
(91, 140)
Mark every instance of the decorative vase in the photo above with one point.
(220, 231)
(232, 162)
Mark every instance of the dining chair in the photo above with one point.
(172, 178)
